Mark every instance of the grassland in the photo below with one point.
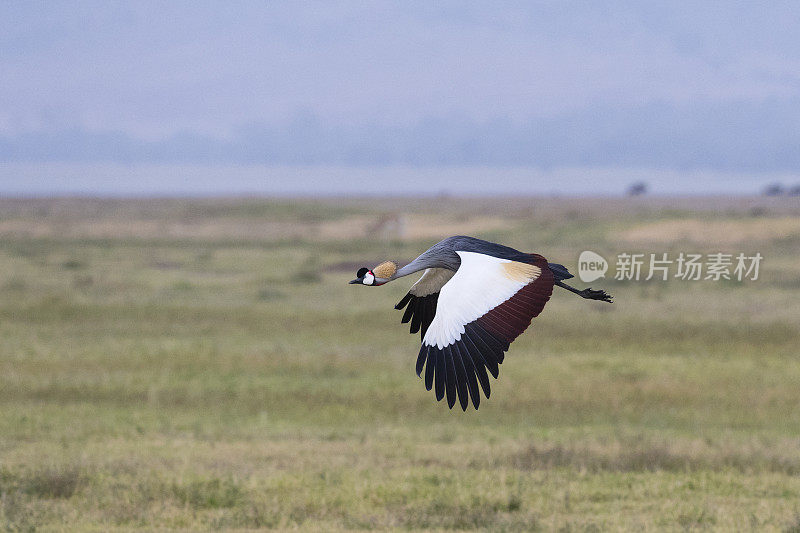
(202, 364)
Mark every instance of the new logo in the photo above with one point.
(591, 266)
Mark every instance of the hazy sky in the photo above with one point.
(672, 87)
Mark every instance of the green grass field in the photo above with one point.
(203, 364)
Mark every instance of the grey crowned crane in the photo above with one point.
(474, 298)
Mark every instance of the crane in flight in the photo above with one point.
(473, 299)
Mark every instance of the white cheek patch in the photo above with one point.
(368, 278)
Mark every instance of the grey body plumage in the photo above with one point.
(443, 255)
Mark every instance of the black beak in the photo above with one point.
(355, 281)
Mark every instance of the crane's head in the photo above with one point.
(377, 276)
(364, 276)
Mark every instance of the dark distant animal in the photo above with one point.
(474, 298)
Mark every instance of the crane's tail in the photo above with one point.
(560, 272)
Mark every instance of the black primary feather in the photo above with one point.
(450, 379)
(472, 381)
(402, 303)
(429, 367)
(408, 314)
(440, 374)
(461, 377)
(416, 320)
(423, 355)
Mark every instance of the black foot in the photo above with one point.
(591, 294)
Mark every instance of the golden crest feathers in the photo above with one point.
(385, 270)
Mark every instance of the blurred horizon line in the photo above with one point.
(183, 180)
(408, 196)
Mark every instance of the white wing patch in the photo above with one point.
(482, 283)
(432, 280)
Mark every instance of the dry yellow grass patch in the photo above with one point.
(121, 228)
(401, 226)
(713, 231)
(421, 227)
(407, 226)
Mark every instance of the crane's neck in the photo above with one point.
(433, 258)
(413, 266)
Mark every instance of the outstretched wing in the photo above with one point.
(487, 304)
(422, 298)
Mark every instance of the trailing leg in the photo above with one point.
(589, 294)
